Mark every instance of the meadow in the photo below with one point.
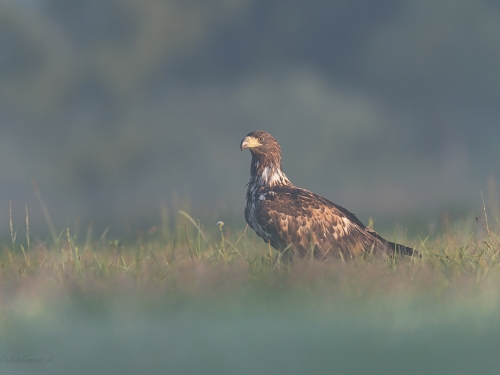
(187, 297)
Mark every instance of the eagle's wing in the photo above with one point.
(299, 219)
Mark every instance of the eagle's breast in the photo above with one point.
(256, 196)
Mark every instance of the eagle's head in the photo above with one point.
(266, 159)
(261, 143)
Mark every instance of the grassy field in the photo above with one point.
(186, 299)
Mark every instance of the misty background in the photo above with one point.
(117, 107)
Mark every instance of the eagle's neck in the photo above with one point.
(266, 172)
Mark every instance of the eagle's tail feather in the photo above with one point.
(392, 247)
(401, 249)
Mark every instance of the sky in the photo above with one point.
(114, 108)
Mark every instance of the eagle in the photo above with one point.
(297, 221)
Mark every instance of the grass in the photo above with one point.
(188, 260)
(183, 291)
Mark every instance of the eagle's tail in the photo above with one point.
(392, 247)
(400, 249)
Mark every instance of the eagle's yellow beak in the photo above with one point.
(249, 142)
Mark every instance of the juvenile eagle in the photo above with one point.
(288, 217)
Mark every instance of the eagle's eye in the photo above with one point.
(261, 139)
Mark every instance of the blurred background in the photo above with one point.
(115, 108)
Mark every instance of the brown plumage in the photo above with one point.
(292, 218)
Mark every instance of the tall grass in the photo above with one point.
(184, 259)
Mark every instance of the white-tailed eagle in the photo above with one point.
(288, 217)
